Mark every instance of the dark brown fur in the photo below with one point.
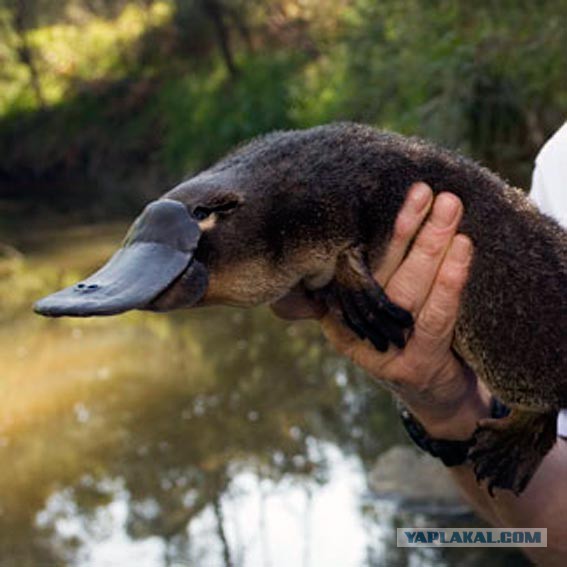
(309, 195)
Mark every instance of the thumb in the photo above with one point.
(338, 334)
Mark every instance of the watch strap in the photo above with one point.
(451, 452)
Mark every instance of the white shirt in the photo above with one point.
(549, 192)
(549, 182)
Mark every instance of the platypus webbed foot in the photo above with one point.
(508, 451)
(365, 306)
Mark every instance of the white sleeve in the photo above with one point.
(549, 192)
(549, 181)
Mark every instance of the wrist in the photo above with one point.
(455, 414)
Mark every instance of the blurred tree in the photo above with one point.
(238, 14)
(224, 20)
(199, 20)
(216, 12)
(107, 8)
(21, 16)
(486, 77)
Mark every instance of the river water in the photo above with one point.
(206, 438)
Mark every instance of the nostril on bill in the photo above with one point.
(84, 288)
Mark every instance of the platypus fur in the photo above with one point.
(316, 208)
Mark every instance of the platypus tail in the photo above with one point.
(508, 451)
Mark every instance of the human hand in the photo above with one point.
(428, 282)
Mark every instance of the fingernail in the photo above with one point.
(461, 248)
(445, 210)
(420, 196)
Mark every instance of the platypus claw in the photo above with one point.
(381, 322)
(365, 307)
(508, 451)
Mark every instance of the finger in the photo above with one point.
(411, 283)
(435, 324)
(410, 217)
(361, 352)
(338, 334)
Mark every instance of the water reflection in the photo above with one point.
(216, 437)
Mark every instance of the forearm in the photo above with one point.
(542, 505)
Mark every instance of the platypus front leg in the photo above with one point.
(365, 306)
(508, 451)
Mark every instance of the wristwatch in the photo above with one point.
(451, 452)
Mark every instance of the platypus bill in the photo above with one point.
(311, 212)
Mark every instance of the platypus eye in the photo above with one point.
(202, 212)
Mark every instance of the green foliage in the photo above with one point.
(68, 54)
(484, 77)
(204, 113)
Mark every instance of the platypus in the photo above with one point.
(313, 210)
